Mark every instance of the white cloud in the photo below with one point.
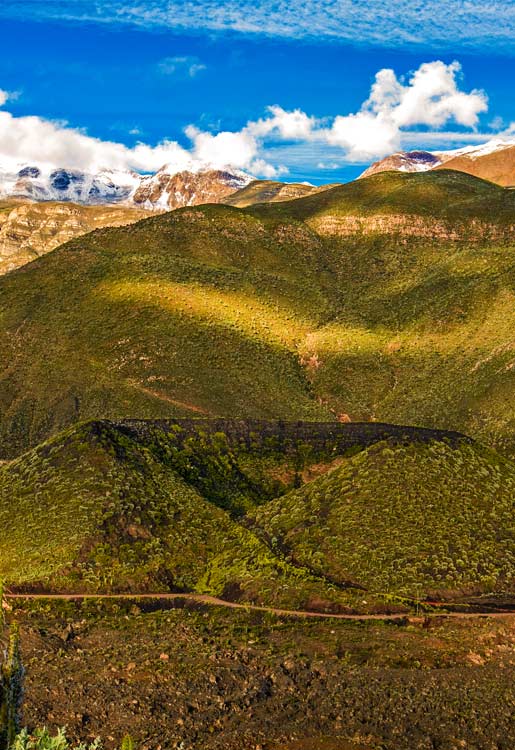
(296, 125)
(36, 140)
(364, 135)
(181, 66)
(219, 150)
(435, 24)
(428, 99)
(6, 96)
(432, 98)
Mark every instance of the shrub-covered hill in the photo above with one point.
(275, 312)
(95, 510)
(297, 524)
(448, 195)
(406, 519)
(269, 191)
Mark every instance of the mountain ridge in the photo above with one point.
(493, 161)
(164, 190)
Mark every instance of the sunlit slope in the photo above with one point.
(445, 195)
(415, 520)
(270, 191)
(194, 312)
(276, 311)
(423, 330)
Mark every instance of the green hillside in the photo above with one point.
(94, 510)
(447, 194)
(264, 312)
(415, 520)
(265, 191)
(318, 522)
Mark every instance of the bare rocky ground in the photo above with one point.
(195, 678)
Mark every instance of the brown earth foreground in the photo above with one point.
(179, 675)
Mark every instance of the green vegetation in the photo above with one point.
(42, 739)
(389, 299)
(415, 520)
(95, 510)
(103, 507)
(447, 194)
(265, 191)
(270, 312)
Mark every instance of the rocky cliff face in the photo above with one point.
(28, 230)
(494, 161)
(404, 161)
(411, 226)
(167, 191)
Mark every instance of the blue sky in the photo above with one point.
(141, 73)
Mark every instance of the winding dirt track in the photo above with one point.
(213, 601)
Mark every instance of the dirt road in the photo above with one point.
(214, 601)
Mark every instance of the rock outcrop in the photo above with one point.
(28, 230)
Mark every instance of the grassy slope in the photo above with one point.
(251, 313)
(406, 519)
(446, 194)
(422, 332)
(264, 191)
(194, 312)
(94, 510)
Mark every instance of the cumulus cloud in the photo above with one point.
(295, 125)
(181, 66)
(25, 140)
(429, 98)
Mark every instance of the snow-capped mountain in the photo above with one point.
(404, 161)
(163, 190)
(494, 160)
(166, 190)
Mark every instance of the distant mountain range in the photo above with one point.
(41, 210)
(40, 207)
(494, 161)
(164, 190)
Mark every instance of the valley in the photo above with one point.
(258, 469)
(265, 313)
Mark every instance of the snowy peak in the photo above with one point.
(404, 161)
(163, 190)
(167, 191)
(494, 161)
(494, 146)
(46, 184)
